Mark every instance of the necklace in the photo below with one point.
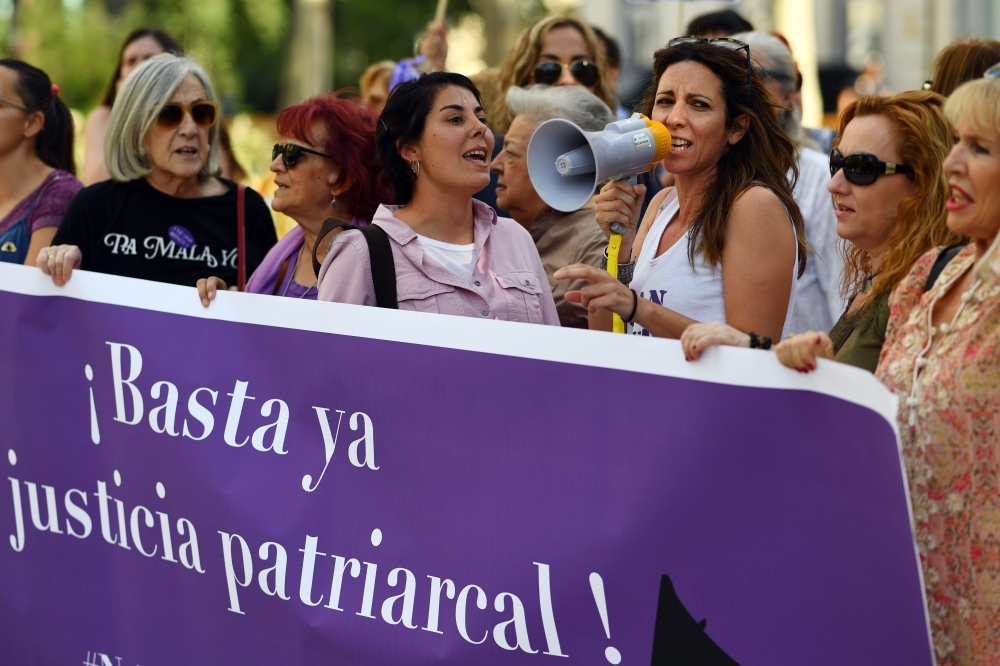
(291, 278)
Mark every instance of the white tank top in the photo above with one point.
(671, 281)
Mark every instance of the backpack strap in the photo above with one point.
(241, 238)
(943, 258)
(380, 256)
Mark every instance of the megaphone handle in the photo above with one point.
(614, 246)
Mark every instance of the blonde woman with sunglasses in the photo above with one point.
(165, 215)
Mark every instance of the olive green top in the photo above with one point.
(858, 336)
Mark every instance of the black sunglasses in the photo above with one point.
(724, 42)
(584, 71)
(863, 168)
(290, 153)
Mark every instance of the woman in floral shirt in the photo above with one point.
(942, 357)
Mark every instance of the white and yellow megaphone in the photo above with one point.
(565, 163)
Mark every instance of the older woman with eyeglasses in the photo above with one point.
(325, 166)
(165, 215)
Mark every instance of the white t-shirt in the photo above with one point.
(458, 259)
(671, 281)
(818, 304)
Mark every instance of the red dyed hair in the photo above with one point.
(349, 126)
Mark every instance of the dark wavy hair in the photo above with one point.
(349, 128)
(169, 44)
(764, 156)
(54, 144)
(402, 122)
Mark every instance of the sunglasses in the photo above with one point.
(290, 153)
(204, 114)
(724, 42)
(863, 168)
(584, 71)
(993, 72)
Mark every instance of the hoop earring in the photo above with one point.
(415, 167)
(333, 203)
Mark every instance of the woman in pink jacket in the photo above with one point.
(450, 253)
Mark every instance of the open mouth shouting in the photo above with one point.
(679, 145)
(959, 199)
(476, 156)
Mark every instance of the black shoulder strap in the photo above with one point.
(379, 254)
(383, 266)
(945, 256)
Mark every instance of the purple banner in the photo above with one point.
(270, 481)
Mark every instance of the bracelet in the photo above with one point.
(625, 271)
(759, 341)
(635, 307)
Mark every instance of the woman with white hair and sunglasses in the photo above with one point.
(165, 215)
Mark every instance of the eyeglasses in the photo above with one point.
(14, 104)
(863, 168)
(724, 42)
(584, 71)
(204, 114)
(290, 153)
(993, 72)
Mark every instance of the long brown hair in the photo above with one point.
(516, 70)
(169, 44)
(962, 60)
(923, 141)
(764, 156)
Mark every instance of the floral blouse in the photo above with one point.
(949, 420)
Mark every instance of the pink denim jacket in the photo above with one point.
(508, 283)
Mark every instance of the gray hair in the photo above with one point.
(142, 96)
(573, 103)
(771, 53)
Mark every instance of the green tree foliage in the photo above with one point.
(242, 43)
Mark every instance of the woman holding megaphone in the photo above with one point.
(726, 243)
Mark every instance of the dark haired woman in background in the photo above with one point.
(140, 45)
(726, 244)
(36, 160)
(452, 254)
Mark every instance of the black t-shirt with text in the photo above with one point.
(134, 230)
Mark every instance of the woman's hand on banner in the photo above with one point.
(207, 287)
(59, 262)
(696, 338)
(800, 352)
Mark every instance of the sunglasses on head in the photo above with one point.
(204, 114)
(584, 71)
(724, 42)
(993, 72)
(863, 168)
(290, 153)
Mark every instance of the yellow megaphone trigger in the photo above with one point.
(661, 136)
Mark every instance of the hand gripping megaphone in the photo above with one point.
(565, 163)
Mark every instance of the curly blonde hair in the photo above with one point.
(923, 141)
(517, 69)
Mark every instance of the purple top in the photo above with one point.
(288, 248)
(54, 195)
